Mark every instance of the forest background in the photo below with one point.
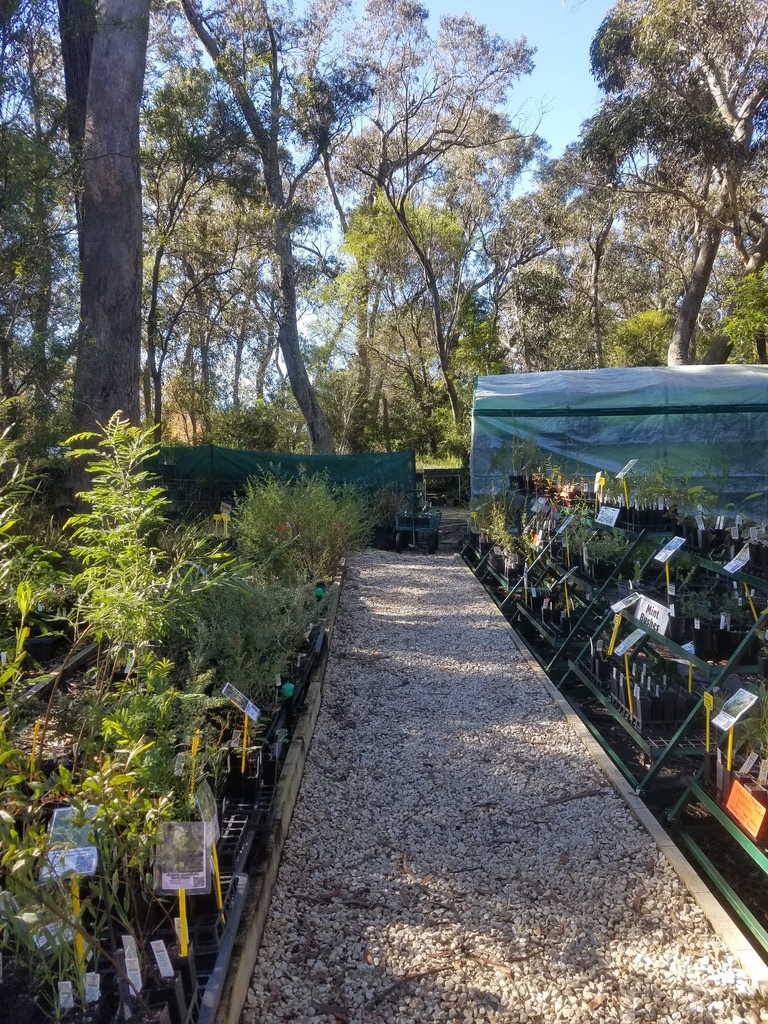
(311, 230)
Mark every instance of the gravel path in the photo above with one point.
(455, 854)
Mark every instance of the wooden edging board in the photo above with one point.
(722, 924)
(254, 917)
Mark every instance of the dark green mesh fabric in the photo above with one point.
(207, 473)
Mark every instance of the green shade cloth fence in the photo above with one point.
(209, 473)
(703, 422)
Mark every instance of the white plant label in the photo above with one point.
(754, 533)
(749, 764)
(92, 987)
(627, 469)
(700, 522)
(626, 645)
(734, 708)
(177, 929)
(162, 959)
(669, 549)
(206, 805)
(566, 577)
(762, 776)
(241, 701)
(66, 996)
(739, 561)
(69, 851)
(132, 966)
(608, 515)
(688, 648)
(625, 602)
(178, 763)
(564, 525)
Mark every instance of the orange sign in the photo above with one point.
(749, 812)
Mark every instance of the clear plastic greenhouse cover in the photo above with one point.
(702, 423)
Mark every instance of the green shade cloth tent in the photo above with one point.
(703, 422)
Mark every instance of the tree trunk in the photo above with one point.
(320, 438)
(680, 348)
(598, 249)
(153, 363)
(77, 28)
(109, 343)
(239, 346)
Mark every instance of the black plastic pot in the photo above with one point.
(42, 648)
(383, 538)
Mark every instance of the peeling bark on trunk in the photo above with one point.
(109, 344)
(598, 250)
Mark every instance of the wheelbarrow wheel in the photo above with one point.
(433, 542)
(399, 541)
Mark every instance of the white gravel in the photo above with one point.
(434, 870)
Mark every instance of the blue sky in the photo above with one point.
(561, 33)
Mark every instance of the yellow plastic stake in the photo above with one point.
(79, 945)
(690, 677)
(751, 602)
(183, 942)
(629, 685)
(729, 758)
(614, 635)
(567, 549)
(245, 745)
(195, 745)
(666, 573)
(217, 882)
(567, 602)
(626, 491)
(709, 703)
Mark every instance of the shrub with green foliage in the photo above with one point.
(302, 529)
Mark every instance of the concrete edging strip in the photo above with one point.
(254, 919)
(720, 920)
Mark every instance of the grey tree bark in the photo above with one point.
(680, 347)
(109, 345)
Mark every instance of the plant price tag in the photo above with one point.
(564, 525)
(749, 764)
(241, 701)
(206, 805)
(627, 469)
(132, 966)
(92, 987)
(66, 996)
(608, 515)
(734, 708)
(669, 549)
(566, 577)
(739, 561)
(626, 645)
(70, 848)
(182, 861)
(625, 602)
(162, 959)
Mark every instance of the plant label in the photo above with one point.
(754, 533)
(178, 763)
(608, 515)
(734, 708)
(598, 480)
(132, 966)
(625, 602)
(241, 701)
(182, 857)
(66, 996)
(653, 614)
(177, 929)
(709, 701)
(70, 844)
(206, 805)
(564, 525)
(566, 577)
(672, 589)
(92, 987)
(700, 522)
(762, 775)
(749, 764)
(626, 469)
(669, 549)
(739, 561)
(162, 959)
(631, 641)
